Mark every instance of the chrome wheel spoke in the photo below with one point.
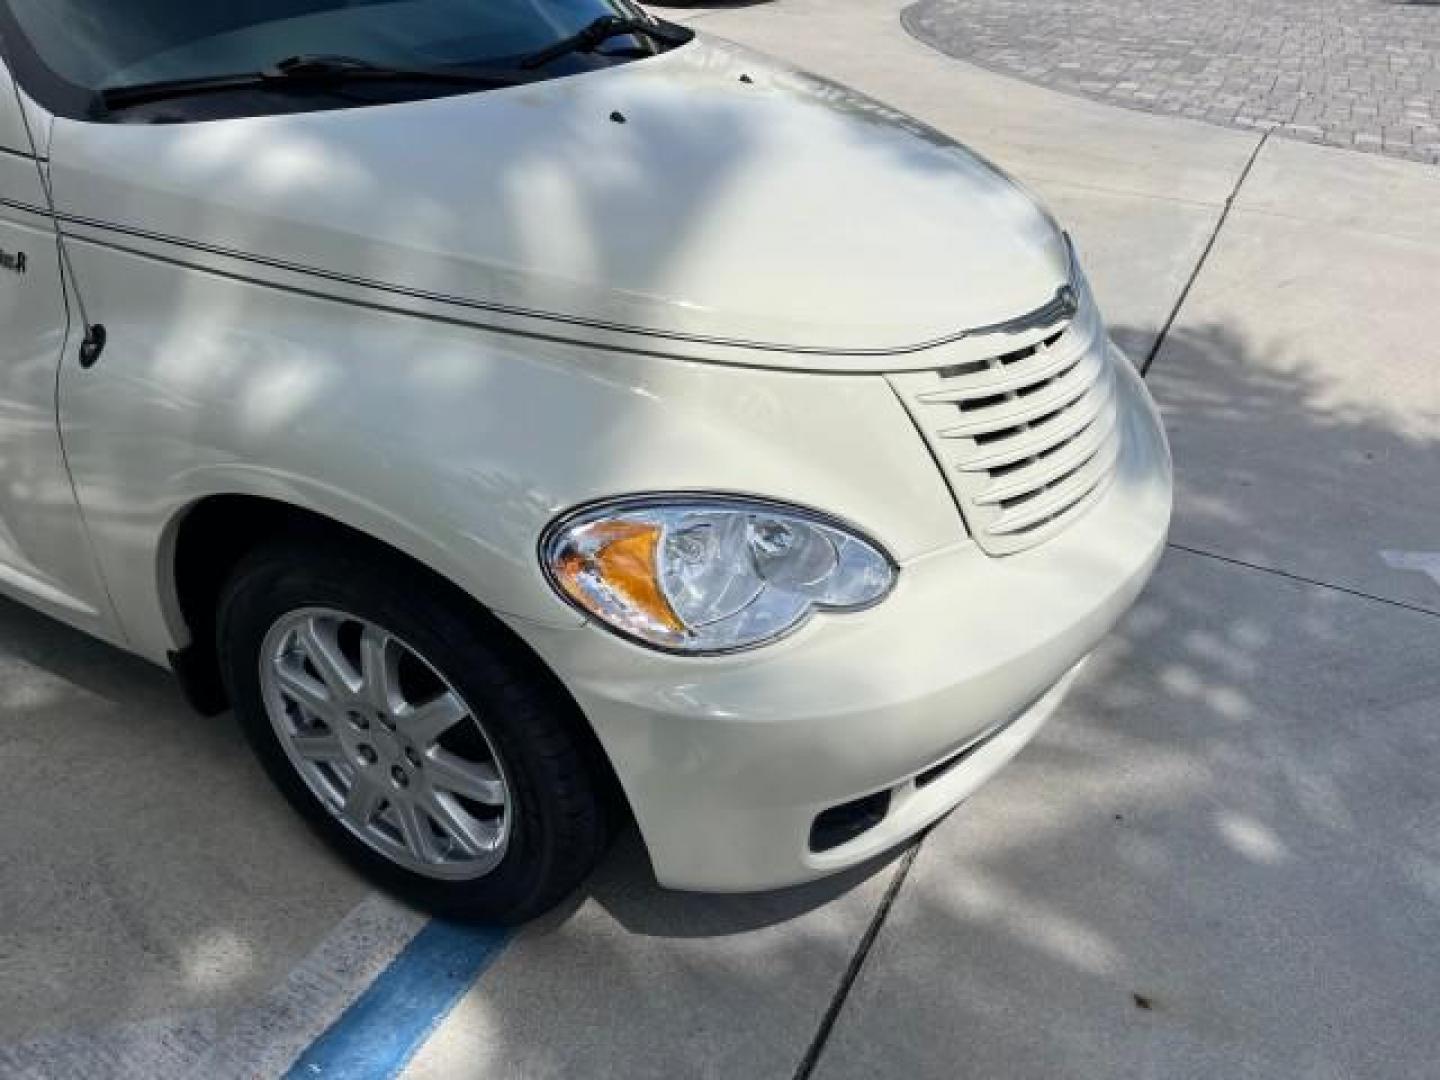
(469, 779)
(362, 801)
(323, 652)
(424, 724)
(415, 831)
(296, 684)
(378, 669)
(322, 747)
(469, 835)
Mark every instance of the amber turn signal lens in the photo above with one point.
(615, 561)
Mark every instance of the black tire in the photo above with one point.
(558, 796)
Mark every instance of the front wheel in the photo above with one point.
(410, 731)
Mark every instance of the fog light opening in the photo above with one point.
(841, 824)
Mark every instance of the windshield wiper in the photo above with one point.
(602, 30)
(303, 72)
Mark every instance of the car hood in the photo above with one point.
(706, 195)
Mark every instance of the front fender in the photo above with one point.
(454, 444)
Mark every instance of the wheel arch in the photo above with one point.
(199, 549)
(209, 537)
(206, 540)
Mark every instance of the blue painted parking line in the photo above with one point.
(381, 1031)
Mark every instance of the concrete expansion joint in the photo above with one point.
(813, 1052)
(1204, 255)
(1301, 579)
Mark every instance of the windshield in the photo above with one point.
(78, 48)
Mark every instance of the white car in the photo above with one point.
(527, 413)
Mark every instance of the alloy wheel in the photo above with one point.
(386, 743)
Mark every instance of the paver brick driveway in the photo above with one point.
(1363, 74)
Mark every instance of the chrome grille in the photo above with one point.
(1026, 436)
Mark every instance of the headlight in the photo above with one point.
(706, 574)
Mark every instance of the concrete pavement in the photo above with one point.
(1220, 859)
(154, 893)
(639, 983)
(1302, 379)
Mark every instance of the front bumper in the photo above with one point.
(728, 761)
